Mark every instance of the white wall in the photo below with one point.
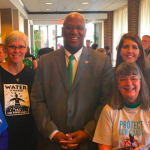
(144, 19)
(29, 34)
(120, 27)
(100, 34)
(21, 24)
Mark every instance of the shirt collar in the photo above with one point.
(132, 105)
(76, 55)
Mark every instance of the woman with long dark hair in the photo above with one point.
(130, 49)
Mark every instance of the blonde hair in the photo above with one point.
(15, 36)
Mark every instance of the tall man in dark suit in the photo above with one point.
(70, 88)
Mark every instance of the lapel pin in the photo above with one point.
(86, 61)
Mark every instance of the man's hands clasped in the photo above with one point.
(70, 141)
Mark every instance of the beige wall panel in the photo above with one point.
(6, 22)
(15, 19)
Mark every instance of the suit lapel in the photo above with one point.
(61, 62)
(83, 63)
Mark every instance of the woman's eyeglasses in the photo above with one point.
(132, 79)
(12, 47)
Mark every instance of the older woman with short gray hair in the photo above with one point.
(17, 81)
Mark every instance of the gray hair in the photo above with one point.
(72, 14)
(125, 69)
(15, 36)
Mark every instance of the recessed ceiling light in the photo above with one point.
(47, 9)
(85, 3)
(48, 3)
(79, 9)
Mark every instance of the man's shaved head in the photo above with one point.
(73, 14)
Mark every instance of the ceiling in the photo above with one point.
(72, 5)
(66, 5)
(39, 11)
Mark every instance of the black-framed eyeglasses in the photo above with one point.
(71, 28)
(12, 47)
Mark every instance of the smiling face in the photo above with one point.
(129, 86)
(16, 55)
(74, 32)
(130, 51)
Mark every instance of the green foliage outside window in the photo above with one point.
(34, 50)
(36, 41)
(27, 62)
(95, 37)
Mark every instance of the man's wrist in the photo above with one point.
(52, 134)
(90, 137)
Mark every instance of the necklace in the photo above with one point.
(17, 78)
(12, 69)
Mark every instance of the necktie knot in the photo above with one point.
(71, 57)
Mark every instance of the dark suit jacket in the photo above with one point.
(55, 106)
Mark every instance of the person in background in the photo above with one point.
(146, 46)
(59, 45)
(107, 48)
(101, 50)
(52, 47)
(88, 43)
(16, 86)
(130, 49)
(3, 54)
(3, 131)
(94, 46)
(43, 51)
(31, 58)
(71, 86)
(125, 122)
